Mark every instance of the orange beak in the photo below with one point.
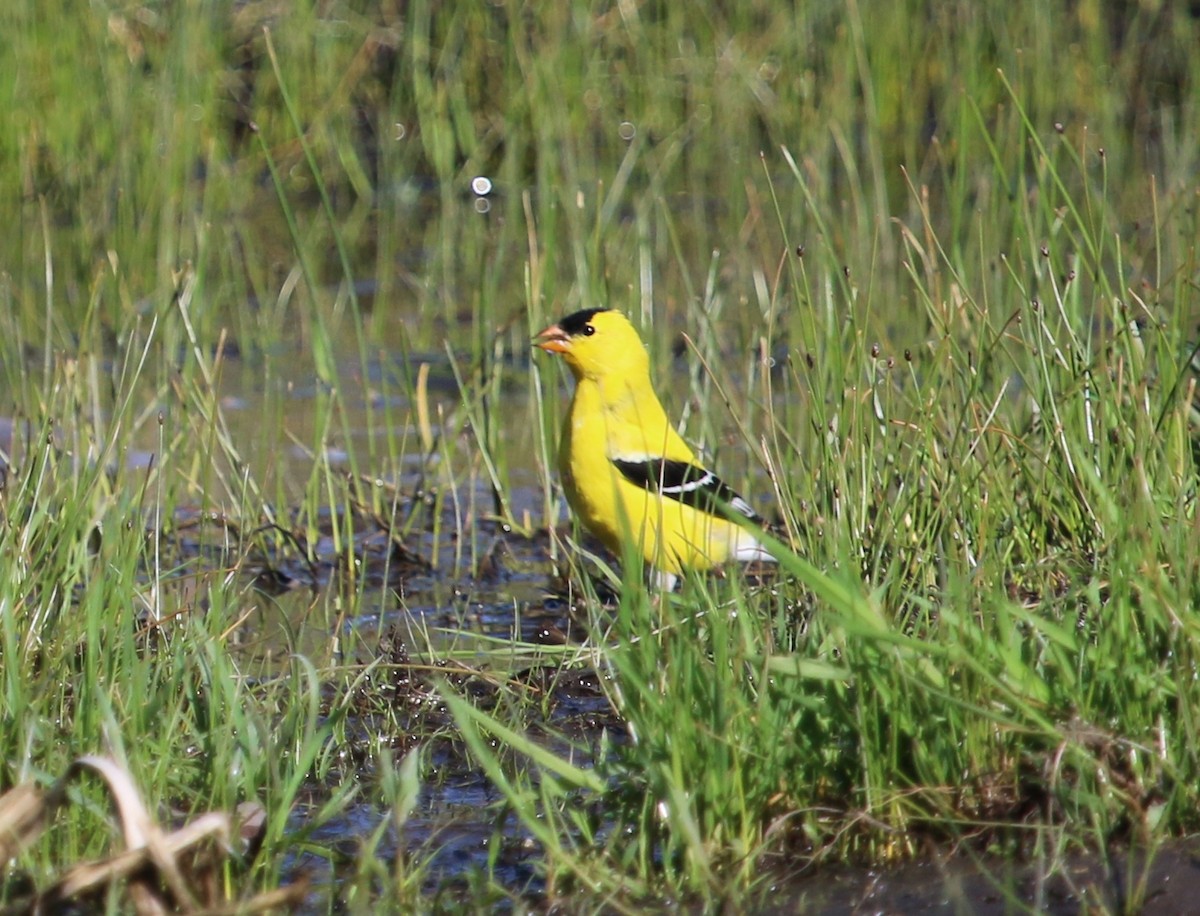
(553, 340)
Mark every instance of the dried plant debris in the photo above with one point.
(159, 870)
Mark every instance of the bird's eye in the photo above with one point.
(588, 330)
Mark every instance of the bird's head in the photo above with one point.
(597, 343)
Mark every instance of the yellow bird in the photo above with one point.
(627, 473)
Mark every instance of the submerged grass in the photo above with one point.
(922, 281)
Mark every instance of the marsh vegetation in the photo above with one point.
(279, 519)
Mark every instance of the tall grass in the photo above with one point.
(935, 268)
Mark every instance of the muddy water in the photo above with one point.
(464, 585)
(1166, 883)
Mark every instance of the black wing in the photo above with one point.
(689, 483)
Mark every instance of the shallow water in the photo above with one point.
(984, 886)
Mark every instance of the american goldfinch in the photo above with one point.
(627, 473)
